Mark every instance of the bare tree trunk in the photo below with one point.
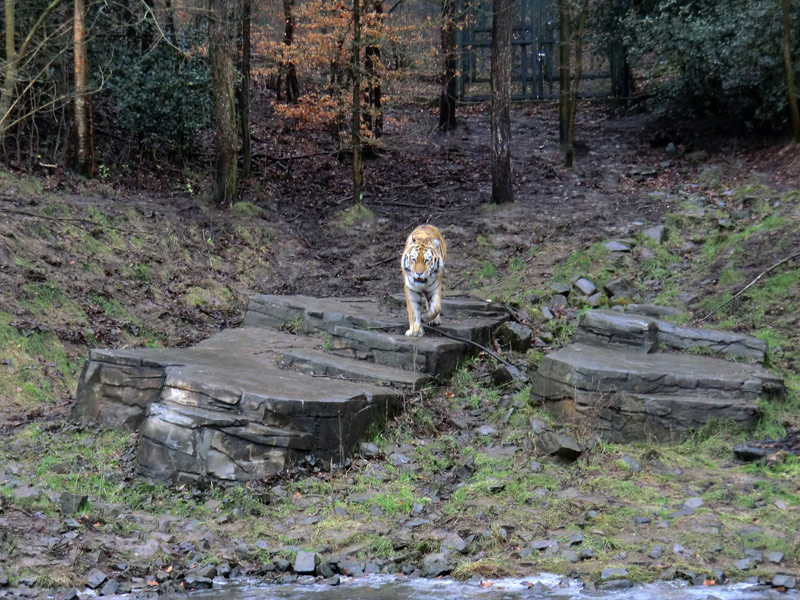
(563, 71)
(288, 72)
(620, 70)
(12, 70)
(220, 53)
(569, 155)
(502, 180)
(244, 90)
(14, 59)
(791, 90)
(355, 125)
(170, 16)
(447, 98)
(372, 57)
(82, 159)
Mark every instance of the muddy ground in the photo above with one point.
(141, 257)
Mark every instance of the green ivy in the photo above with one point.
(156, 92)
(704, 55)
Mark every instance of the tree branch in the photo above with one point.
(751, 284)
(24, 47)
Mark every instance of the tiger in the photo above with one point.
(423, 268)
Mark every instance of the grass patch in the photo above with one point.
(247, 210)
(397, 496)
(352, 216)
(37, 368)
(91, 463)
(137, 272)
(593, 262)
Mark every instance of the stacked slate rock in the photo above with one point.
(635, 377)
(249, 402)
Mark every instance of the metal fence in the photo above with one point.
(534, 58)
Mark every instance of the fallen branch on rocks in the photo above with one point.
(515, 371)
(751, 284)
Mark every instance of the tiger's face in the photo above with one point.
(421, 265)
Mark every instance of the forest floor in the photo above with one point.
(140, 257)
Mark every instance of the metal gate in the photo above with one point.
(534, 55)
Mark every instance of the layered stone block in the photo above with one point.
(249, 402)
(648, 334)
(620, 378)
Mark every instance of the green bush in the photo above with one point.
(704, 55)
(157, 93)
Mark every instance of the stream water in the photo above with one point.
(390, 588)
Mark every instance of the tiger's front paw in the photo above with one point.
(415, 331)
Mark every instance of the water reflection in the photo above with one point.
(392, 588)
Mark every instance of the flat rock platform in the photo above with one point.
(624, 378)
(302, 376)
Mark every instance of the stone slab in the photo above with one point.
(648, 334)
(325, 364)
(626, 418)
(604, 369)
(230, 384)
(436, 356)
(467, 318)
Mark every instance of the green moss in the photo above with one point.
(247, 209)
(352, 216)
(213, 294)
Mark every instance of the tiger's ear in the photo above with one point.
(436, 243)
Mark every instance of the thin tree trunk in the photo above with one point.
(620, 70)
(447, 98)
(791, 90)
(244, 90)
(82, 159)
(220, 52)
(14, 59)
(502, 181)
(355, 125)
(12, 70)
(569, 154)
(563, 71)
(372, 57)
(170, 16)
(287, 68)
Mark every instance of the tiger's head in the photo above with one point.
(422, 260)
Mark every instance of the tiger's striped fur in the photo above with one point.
(423, 269)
